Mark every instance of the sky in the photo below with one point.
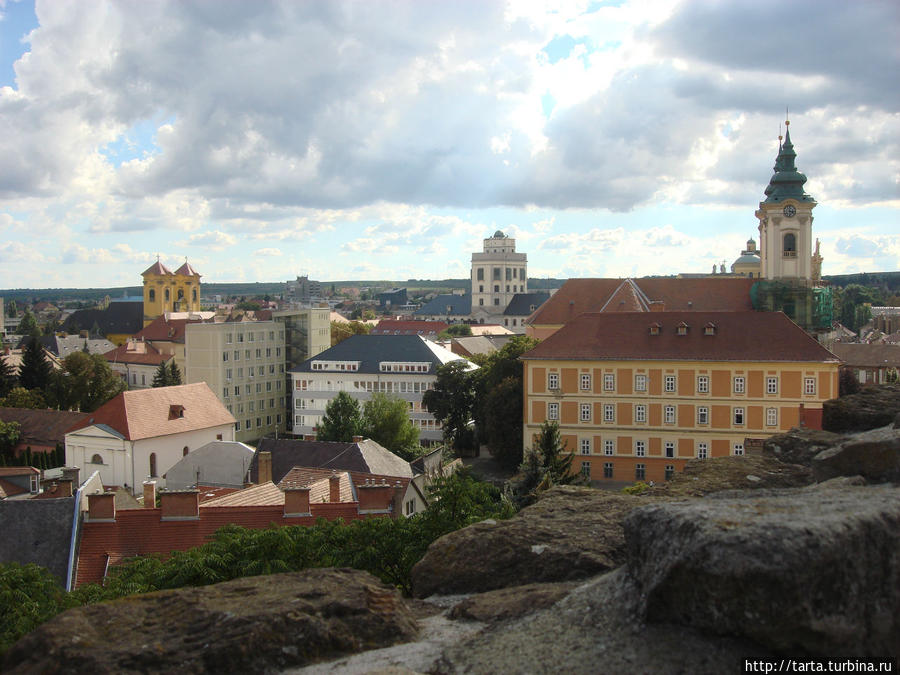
(386, 140)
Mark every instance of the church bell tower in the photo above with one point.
(785, 219)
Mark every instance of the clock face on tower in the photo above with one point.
(789, 211)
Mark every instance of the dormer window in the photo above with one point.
(709, 329)
(682, 328)
(176, 411)
(655, 328)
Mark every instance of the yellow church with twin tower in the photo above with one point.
(168, 291)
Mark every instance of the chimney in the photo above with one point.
(334, 488)
(375, 497)
(296, 502)
(71, 473)
(149, 494)
(64, 487)
(358, 439)
(102, 507)
(180, 505)
(264, 467)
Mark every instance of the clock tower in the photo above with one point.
(785, 219)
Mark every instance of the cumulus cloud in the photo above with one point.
(213, 240)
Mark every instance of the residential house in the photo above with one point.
(637, 395)
(41, 430)
(118, 322)
(450, 308)
(136, 362)
(520, 307)
(142, 433)
(870, 363)
(402, 365)
(427, 329)
(18, 482)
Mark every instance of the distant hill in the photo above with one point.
(886, 280)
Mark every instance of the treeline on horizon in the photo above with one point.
(885, 280)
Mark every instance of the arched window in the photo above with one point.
(181, 294)
(184, 451)
(152, 465)
(96, 459)
(790, 244)
(152, 295)
(167, 295)
(194, 295)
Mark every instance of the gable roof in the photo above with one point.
(522, 303)
(577, 296)
(136, 352)
(868, 356)
(371, 350)
(364, 457)
(738, 336)
(163, 329)
(446, 305)
(147, 413)
(125, 318)
(156, 268)
(319, 483)
(187, 270)
(42, 427)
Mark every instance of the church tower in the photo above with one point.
(168, 291)
(785, 220)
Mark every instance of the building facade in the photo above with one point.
(401, 365)
(498, 273)
(637, 395)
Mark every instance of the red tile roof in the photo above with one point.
(578, 296)
(164, 330)
(738, 336)
(318, 482)
(187, 270)
(18, 470)
(156, 268)
(148, 413)
(137, 352)
(10, 489)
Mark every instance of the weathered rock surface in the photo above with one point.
(570, 533)
(799, 446)
(873, 407)
(816, 571)
(510, 603)
(749, 472)
(874, 455)
(254, 624)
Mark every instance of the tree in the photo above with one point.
(85, 382)
(451, 401)
(29, 596)
(34, 373)
(342, 419)
(386, 421)
(161, 376)
(7, 376)
(545, 464)
(19, 397)
(456, 330)
(11, 309)
(10, 433)
(340, 331)
(174, 374)
(28, 324)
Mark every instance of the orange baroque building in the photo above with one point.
(638, 394)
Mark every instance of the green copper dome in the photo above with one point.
(786, 182)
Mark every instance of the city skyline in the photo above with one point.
(351, 140)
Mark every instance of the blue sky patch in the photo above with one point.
(136, 143)
(18, 20)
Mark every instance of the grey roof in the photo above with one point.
(216, 464)
(371, 350)
(863, 355)
(524, 304)
(365, 457)
(459, 305)
(120, 317)
(37, 531)
(482, 344)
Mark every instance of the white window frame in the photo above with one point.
(585, 381)
(585, 412)
(553, 381)
(739, 417)
(585, 446)
(771, 417)
(609, 382)
(703, 384)
(702, 415)
(609, 448)
(553, 411)
(737, 449)
(640, 412)
(640, 448)
(640, 382)
(670, 384)
(669, 445)
(809, 386)
(608, 469)
(702, 451)
(609, 412)
(670, 414)
(640, 471)
(740, 385)
(771, 385)
(586, 469)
